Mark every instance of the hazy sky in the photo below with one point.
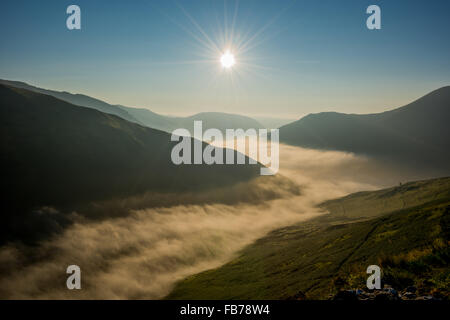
(300, 56)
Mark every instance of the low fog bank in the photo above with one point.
(347, 169)
(142, 255)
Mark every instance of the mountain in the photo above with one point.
(219, 120)
(56, 154)
(76, 99)
(417, 134)
(153, 120)
(273, 122)
(405, 230)
(146, 117)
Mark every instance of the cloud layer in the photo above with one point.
(143, 254)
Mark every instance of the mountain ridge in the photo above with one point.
(56, 154)
(145, 116)
(416, 134)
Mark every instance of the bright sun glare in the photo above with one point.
(227, 60)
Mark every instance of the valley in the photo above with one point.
(317, 258)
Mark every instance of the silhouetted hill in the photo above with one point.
(76, 99)
(152, 119)
(273, 122)
(146, 117)
(57, 154)
(219, 120)
(416, 134)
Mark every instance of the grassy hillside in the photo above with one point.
(315, 259)
(374, 203)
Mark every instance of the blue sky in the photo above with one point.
(303, 56)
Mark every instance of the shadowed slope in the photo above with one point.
(57, 154)
(146, 117)
(416, 135)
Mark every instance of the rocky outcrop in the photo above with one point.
(387, 293)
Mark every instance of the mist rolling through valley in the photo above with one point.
(143, 255)
(256, 150)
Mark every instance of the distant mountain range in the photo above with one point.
(62, 149)
(53, 153)
(146, 117)
(273, 123)
(416, 134)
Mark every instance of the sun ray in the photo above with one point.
(265, 27)
(199, 28)
(228, 49)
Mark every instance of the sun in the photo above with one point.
(227, 60)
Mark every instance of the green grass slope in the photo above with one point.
(315, 259)
(374, 203)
